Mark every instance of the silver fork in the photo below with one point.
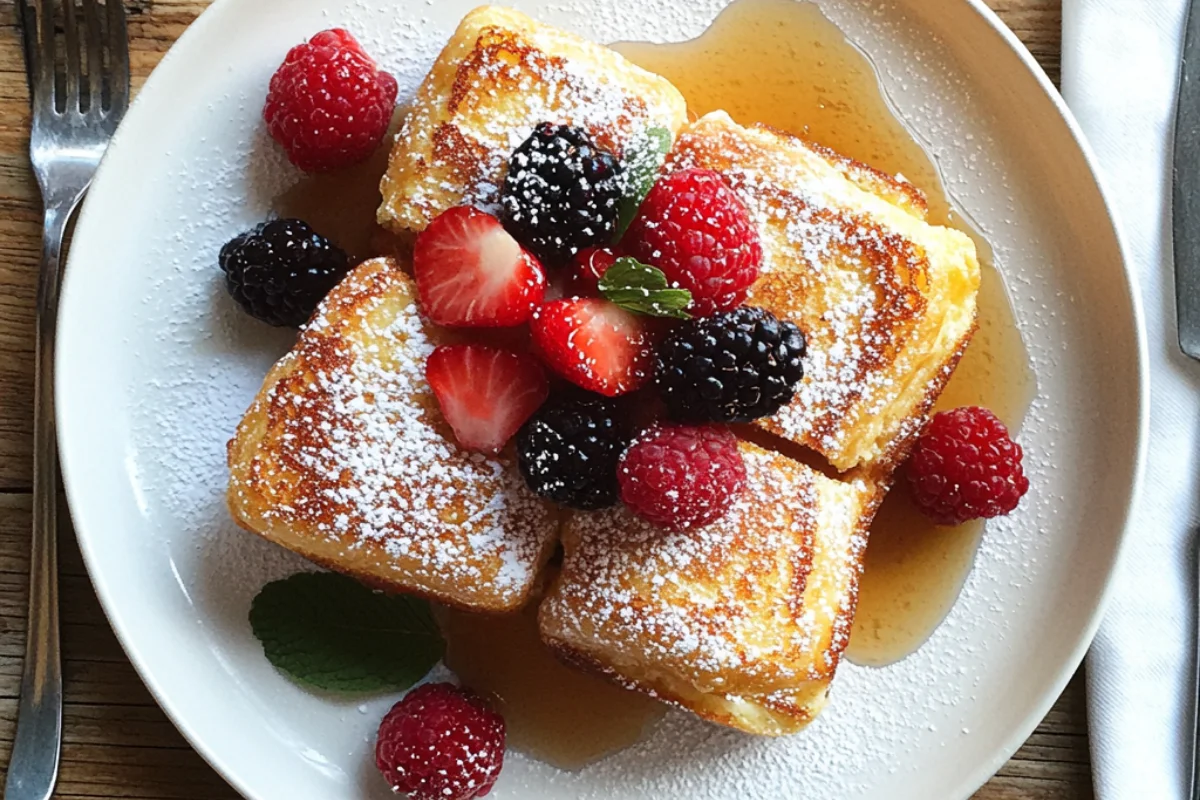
(77, 61)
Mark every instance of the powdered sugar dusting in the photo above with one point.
(883, 299)
(648, 622)
(502, 76)
(754, 603)
(354, 452)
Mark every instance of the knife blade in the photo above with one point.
(1186, 190)
(1185, 223)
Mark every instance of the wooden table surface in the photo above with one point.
(117, 741)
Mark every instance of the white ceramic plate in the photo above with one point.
(156, 367)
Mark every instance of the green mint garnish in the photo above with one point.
(644, 157)
(642, 289)
(332, 633)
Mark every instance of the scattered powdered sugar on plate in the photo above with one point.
(199, 362)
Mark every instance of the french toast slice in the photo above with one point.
(499, 76)
(344, 458)
(886, 300)
(742, 621)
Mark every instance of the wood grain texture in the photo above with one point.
(117, 742)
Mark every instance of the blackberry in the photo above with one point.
(280, 271)
(562, 194)
(568, 451)
(735, 366)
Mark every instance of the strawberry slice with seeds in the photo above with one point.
(470, 272)
(486, 394)
(594, 344)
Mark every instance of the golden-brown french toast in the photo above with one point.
(776, 714)
(885, 299)
(344, 458)
(742, 621)
(500, 75)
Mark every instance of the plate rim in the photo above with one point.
(984, 772)
(977, 776)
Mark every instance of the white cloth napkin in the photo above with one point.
(1119, 72)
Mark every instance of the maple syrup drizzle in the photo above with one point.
(782, 63)
(914, 570)
(341, 205)
(552, 712)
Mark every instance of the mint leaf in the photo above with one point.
(332, 633)
(642, 289)
(643, 159)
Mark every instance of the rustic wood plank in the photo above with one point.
(1038, 24)
(117, 741)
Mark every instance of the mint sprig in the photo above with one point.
(643, 289)
(332, 633)
(644, 157)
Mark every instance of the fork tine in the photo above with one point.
(73, 77)
(118, 57)
(94, 45)
(28, 22)
(44, 86)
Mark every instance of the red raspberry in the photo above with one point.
(695, 229)
(966, 467)
(329, 104)
(682, 477)
(441, 743)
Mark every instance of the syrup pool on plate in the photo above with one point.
(914, 570)
(553, 713)
(782, 63)
(341, 205)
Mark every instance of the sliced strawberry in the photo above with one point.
(586, 270)
(485, 393)
(471, 272)
(594, 344)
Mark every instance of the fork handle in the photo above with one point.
(1194, 734)
(33, 767)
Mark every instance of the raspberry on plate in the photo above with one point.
(561, 193)
(681, 477)
(736, 366)
(966, 467)
(697, 231)
(280, 271)
(595, 344)
(485, 393)
(568, 451)
(329, 104)
(440, 742)
(471, 272)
